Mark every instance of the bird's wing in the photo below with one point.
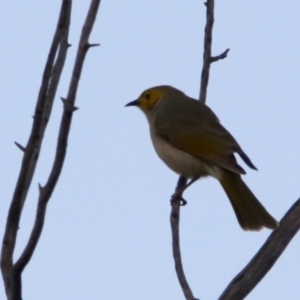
(206, 139)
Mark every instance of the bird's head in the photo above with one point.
(150, 98)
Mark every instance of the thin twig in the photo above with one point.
(218, 57)
(12, 281)
(266, 257)
(263, 261)
(207, 57)
(56, 73)
(22, 148)
(174, 219)
(210, 4)
(62, 142)
(175, 213)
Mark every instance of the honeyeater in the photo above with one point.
(189, 138)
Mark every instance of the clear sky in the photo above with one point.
(107, 232)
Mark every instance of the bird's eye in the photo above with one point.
(147, 96)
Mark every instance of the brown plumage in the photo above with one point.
(189, 138)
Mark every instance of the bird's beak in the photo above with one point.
(133, 103)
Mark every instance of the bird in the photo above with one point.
(189, 138)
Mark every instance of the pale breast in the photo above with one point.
(179, 161)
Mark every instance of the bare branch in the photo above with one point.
(45, 99)
(175, 213)
(68, 106)
(174, 219)
(62, 142)
(22, 148)
(93, 45)
(207, 49)
(207, 57)
(266, 257)
(218, 57)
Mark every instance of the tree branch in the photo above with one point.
(263, 261)
(53, 69)
(61, 149)
(57, 70)
(210, 4)
(182, 181)
(218, 57)
(207, 57)
(279, 239)
(174, 219)
(30, 158)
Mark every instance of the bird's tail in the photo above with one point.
(249, 211)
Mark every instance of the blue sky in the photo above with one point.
(107, 232)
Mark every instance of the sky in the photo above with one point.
(107, 233)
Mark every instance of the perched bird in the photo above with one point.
(189, 138)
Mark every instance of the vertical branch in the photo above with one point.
(32, 150)
(174, 219)
(207, 57)
(266, 257)
(182, 181)
(210, 4)
(12, 272)
(61, 149)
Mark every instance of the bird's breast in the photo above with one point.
(179, 161)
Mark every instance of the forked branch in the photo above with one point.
(278, 240)
(175, 213)
(12, 272)
(207, 57)
(61, 149)
(51, 75)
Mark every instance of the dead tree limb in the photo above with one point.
(182, 181)
(12, 272)
(244, 282)
(207, 56)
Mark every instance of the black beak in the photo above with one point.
(133, 103)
